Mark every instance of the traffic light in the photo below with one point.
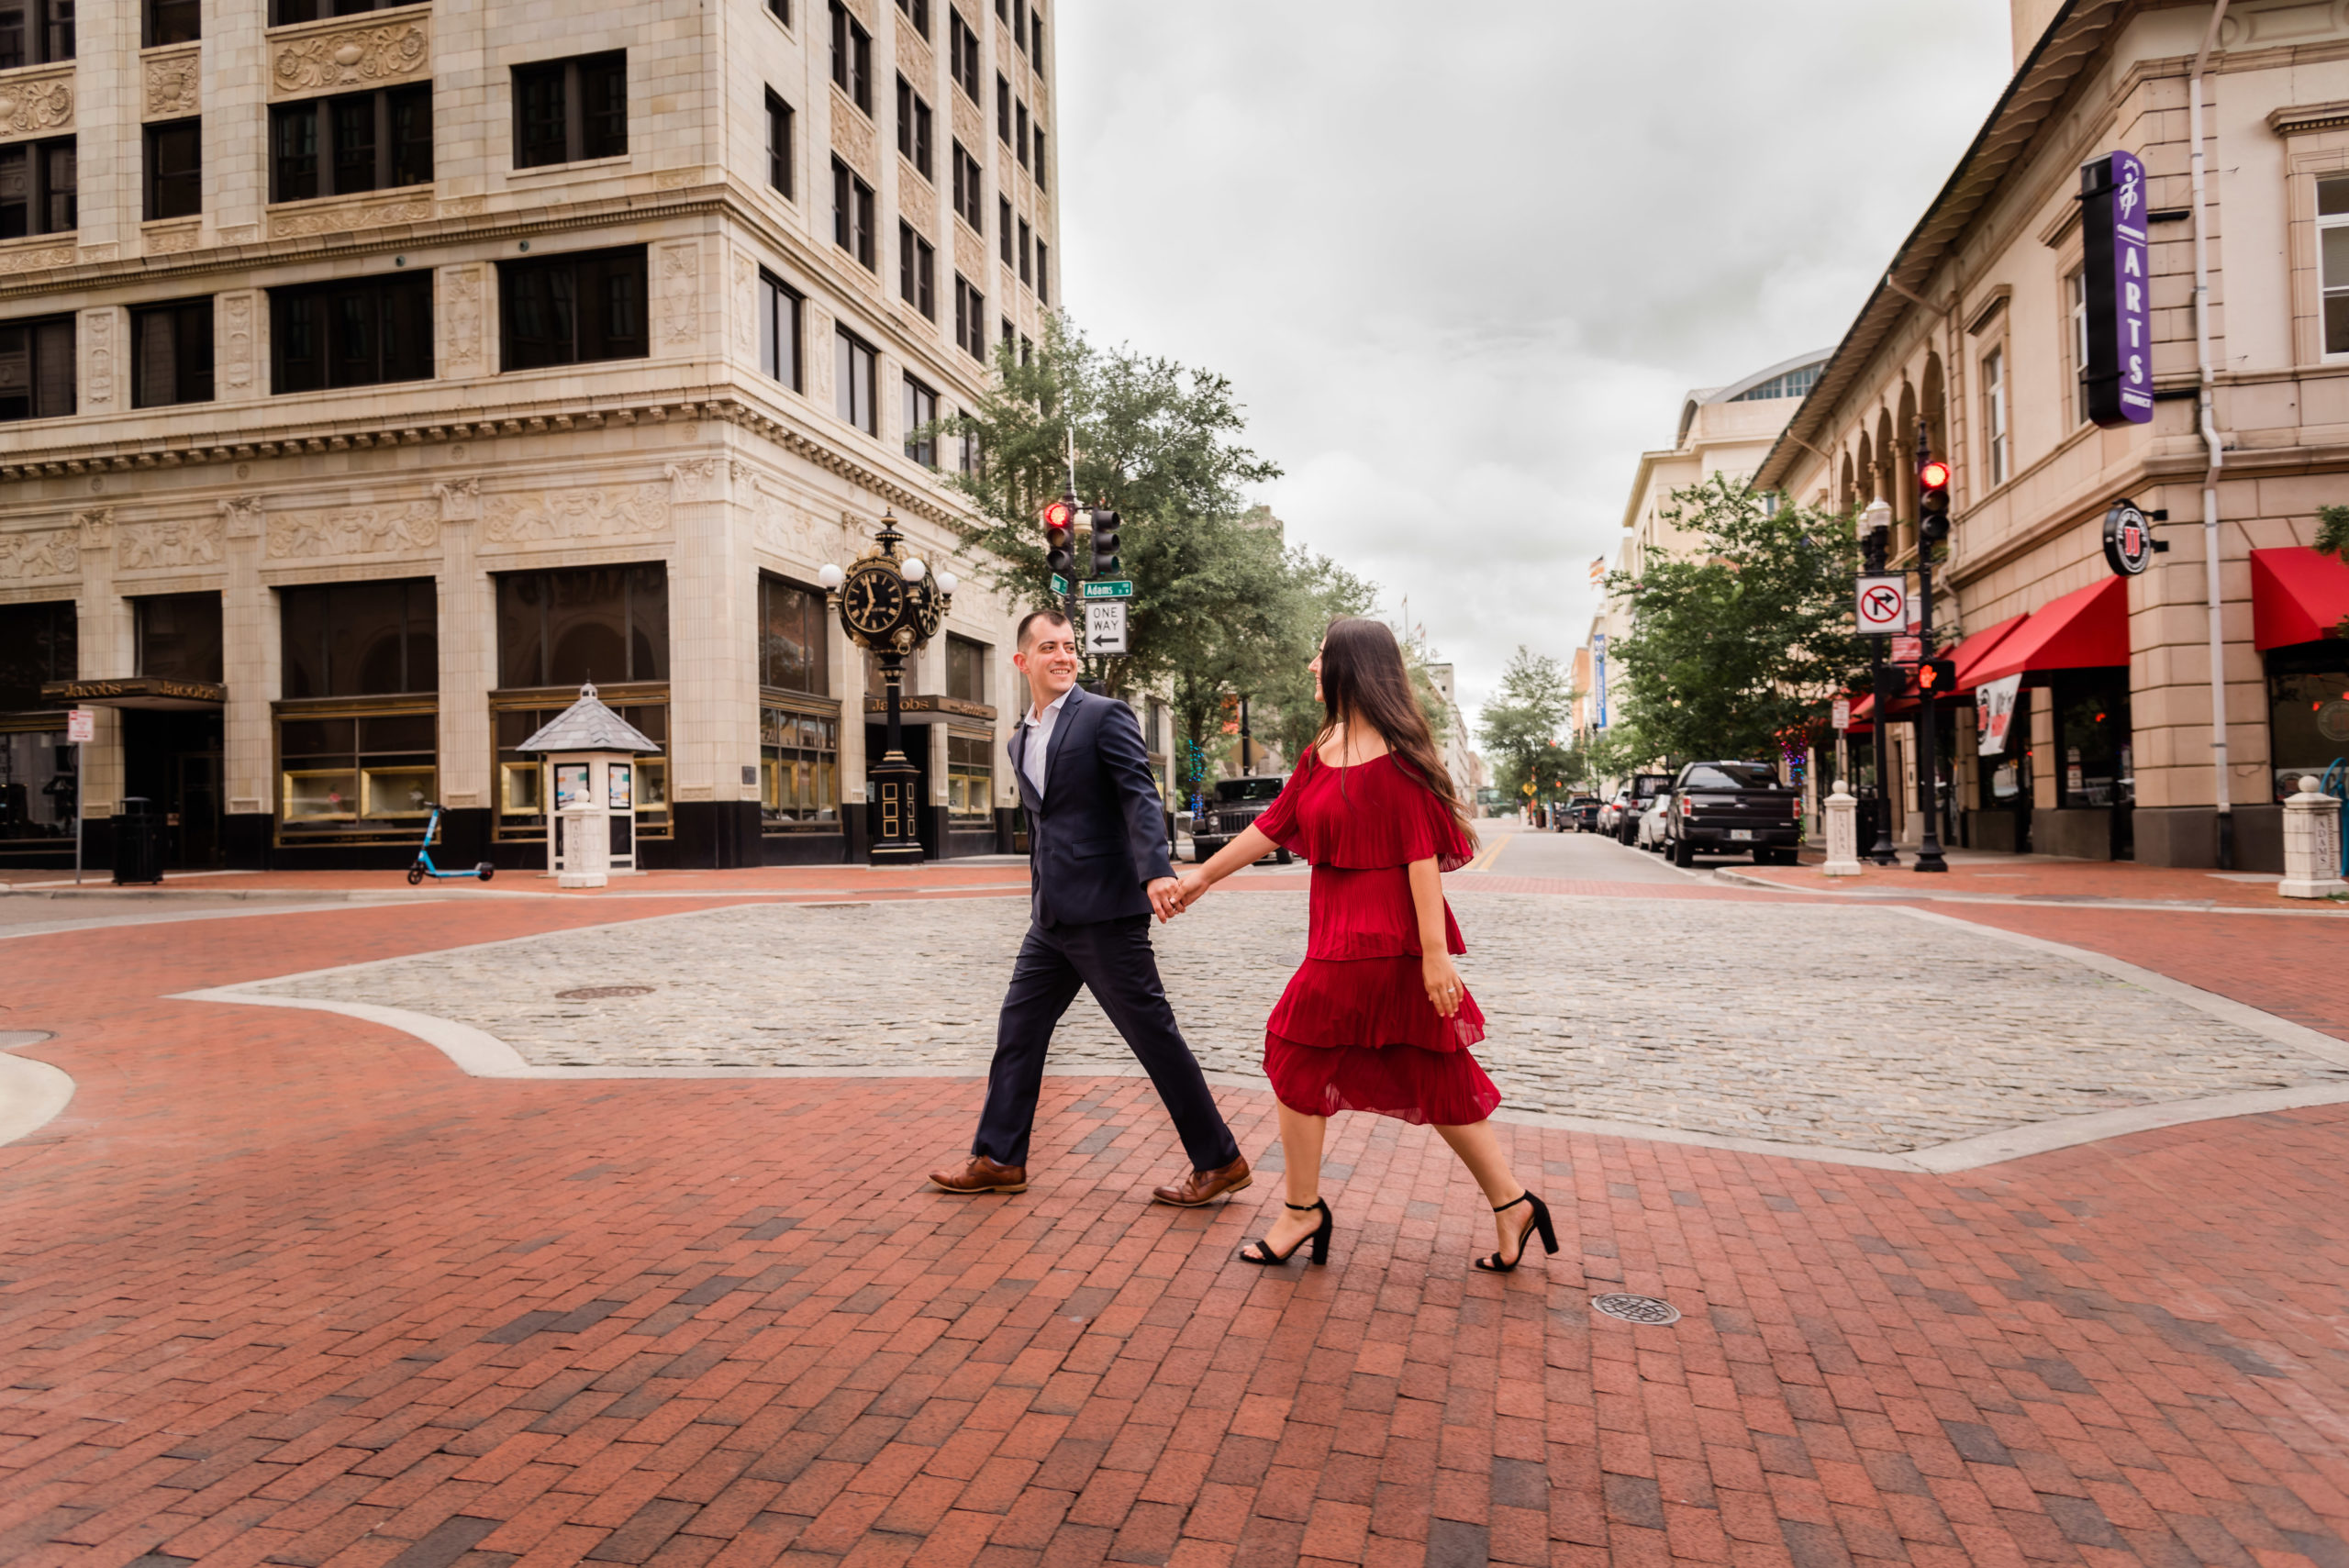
(1059, 526)
(1937, 677)
(1933, 499)
(1104, 543)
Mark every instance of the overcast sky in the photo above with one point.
(1462, 261)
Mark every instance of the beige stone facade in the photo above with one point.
(683, 454)
(1974, 331)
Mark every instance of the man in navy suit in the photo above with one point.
(1097, 867)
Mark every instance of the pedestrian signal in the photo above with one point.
(1104, 543)
(1937, 677)
(1059, 526)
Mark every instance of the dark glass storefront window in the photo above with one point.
(36, 366)
(966, 669)
(38, 643)
(595, 623)
(170, 353)
(179, 635)
(798, 771)
(566, 310)
(2307, 711)
(360, 141)
(793, 638)
(2095, 761)
(970, 776)
(347, 639)
(342, 772)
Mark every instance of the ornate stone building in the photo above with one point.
(372, 376)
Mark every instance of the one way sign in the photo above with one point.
(1104, 627)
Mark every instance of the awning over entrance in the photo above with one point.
(1971, 654)
(139, 690)
(2079, 631)
(2297, 596)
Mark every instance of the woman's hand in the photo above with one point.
(1195, 884)
(1442, 982)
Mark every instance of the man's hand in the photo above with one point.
(1166, 898)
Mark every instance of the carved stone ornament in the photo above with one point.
(96, 525)
(43, 553)
(460, 500)
(968, 125)
(783, 527)
(916, 199)
(165, 242)
(350, 57)
(344, 217)
(98, 338)
(236, 353)
(241, 515)
(970, 253)
(679, 290)
(562, 515)
(355, 530)
(35, 259)
(697, 479)
(462, 311)
(29, 107)
(173, 83)
(187, 542)
(746, 306)
(853, 137)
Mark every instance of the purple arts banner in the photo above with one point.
(2117, 374)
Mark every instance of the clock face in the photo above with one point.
(873, 600)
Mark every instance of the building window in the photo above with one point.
(2093, 746)
(851, 58)
(853, 216)
(853, 380)
(567, 310)
(913, 128)
(780, 10)
(966, 668)
(965, 450)
(793, 638)
(598, 623)
(39, 188)
(2308, 709)
(799, 771)
(284, 13)
(968, 184)
(1027, 274)
(37, 645)
(970, 318)
(174, 170)
(970, 776)
(1044, 274)
(921, 415)
(170, 353)
(35, 32)
(1038, 166)
(566, 111)
(349, 639)
(963, 54)
(171, 21)
(778, 144)
(1994, 413)
(37, 368)
(917, 271)
(1020, 118)
(918, 13)
(1036, 37)
(779, 305)
(1003, 228)
(176, 637)
(352, 332)
(342, 772)
(2075, 290)
(1010, 334)
(358, 141)
(1003, 109)
(2333, 259)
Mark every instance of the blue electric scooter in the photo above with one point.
(424, 866)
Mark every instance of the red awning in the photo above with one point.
(1970, 653)
(2079, 631)
(2297, 596)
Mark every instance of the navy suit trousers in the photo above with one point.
(1115, 960)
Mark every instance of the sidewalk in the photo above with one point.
(284, 1287)
(2036, 878)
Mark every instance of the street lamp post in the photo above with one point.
(1875, 537)
(891, 607)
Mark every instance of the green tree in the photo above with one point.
(2332, 539)
(1741, 641)
(1520, 726)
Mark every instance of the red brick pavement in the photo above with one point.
(281, 1287)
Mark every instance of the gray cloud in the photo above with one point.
(1462, 261)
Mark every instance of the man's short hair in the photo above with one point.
(1058, 617)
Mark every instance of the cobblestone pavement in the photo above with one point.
(1762, 1021)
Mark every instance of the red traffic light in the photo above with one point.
(1060, 515)
(1933, 475)
(1935, 676)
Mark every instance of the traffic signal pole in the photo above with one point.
(1871, 553)
(1932, 526)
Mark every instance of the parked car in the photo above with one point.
(1235, 804)
(1645, 788)
(1581, 815)
(1729, 809)
(1610, 813)
(1647, 831)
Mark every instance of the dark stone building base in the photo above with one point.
(2187, 836)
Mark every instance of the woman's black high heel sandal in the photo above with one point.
(1264, 1255)
(1492, 1263)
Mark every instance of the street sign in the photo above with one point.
(1842, 713)
(1882, 604)
(2116, 331)
(82, 725)
(1104, 627)
(1060, 584)
(1907, 650)
(1109, 588)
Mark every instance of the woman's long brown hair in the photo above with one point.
(1364, 682)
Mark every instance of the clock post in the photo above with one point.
(891, 607)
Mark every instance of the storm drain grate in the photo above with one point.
(602, 993)
(1635, 1308)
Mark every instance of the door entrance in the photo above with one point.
(174, 760)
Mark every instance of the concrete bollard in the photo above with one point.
(2312, 844)
(586, 846)
(1842, 833)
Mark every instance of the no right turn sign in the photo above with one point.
(1882, 606)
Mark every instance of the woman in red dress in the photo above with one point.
(1376, 1018)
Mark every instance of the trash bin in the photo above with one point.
(138, 831)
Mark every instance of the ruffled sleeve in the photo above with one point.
(1278, 821)
(1371, 816)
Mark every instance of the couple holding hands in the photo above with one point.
(1375, 1020)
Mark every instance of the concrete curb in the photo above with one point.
(32, 1093)
(2054, 901)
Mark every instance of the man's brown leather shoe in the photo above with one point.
(1202, 1187)
(981, 1175)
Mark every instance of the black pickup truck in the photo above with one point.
(1237, 803)
(1727, 809)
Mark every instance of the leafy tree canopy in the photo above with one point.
(1521, 726)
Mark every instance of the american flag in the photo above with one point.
(1598, 571)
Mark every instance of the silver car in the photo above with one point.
(1651, 829)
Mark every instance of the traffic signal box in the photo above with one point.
(1105, 543)
(1060, 533)
(1933, 499)
(1937, 677)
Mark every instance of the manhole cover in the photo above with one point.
(1635, 1308)
(602, 993)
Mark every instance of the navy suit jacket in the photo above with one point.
(1098, 835)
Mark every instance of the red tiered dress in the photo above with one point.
(1355, 1031)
